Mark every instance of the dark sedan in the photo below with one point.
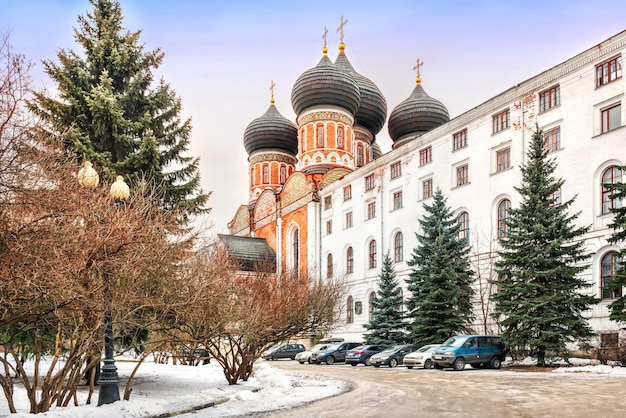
(392, 356)
(362, 354)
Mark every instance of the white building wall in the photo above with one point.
(583, 155)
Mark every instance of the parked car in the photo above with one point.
(392, 356)
(283, 351)
(305, 356)
(420, 357)
(333, 354)
(361, 354)
(476, 350)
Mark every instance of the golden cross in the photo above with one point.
(418, 64)
(340, 29)
(324, 36)
(272, 85)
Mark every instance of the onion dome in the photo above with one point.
(376, 151)
(272, 131)
(324, 85)
(418, 114)
(373, 110)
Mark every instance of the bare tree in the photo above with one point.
(482, 259)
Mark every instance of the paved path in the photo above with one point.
(399, 392)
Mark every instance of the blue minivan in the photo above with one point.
(475, 350)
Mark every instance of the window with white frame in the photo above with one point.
(349, 219)
(609, 265)
(329, 266)
(462, 175)
(426, 155)
(328, 202)
(347, 192)
(396, 170)
(340, 137)
(503, 215)
(463, 221)
(320, 136)
(329, 227)
(349, 260)
(610, 176)
(369, 182)
(371, 210)
(503, 159)
(427, 188)
(350, 310)
(398, 247)
(372, 254)
(459, 140)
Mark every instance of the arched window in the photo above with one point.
(350, 311)
(372, 254)
(503, 214)
(398, 247)
(463, 221)
(371, 305)
(283, 174)
(340, 137)
(349, 261)
(320, 136)
(266, 174)
(329, 266)
(610, 263)
(302, 141)
(295, 249)
(611, 175)
(359, 156)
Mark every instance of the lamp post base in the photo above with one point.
(109, 391)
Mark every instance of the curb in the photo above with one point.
(195, 408)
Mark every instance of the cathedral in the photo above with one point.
(325, 202)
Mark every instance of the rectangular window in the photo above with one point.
(426, 155)
(340, 138)
(503, 159)
(501, 121)
(369, 182)
(371, 210)
(611, 118)
(396, 170)
(397, 200)
(328, 202)
(462, 175)
(556, 198)
(347, 192)
(320, 136)
(348, 219)
(552, 139)
(609, 71)
(549, 98)
(459, 140)
(427, 188)
(329, 227)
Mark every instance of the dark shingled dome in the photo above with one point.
(418, 114)
(324, 85)
(376, 151)
(272, 131)
(373, 109)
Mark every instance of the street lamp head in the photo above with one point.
(119, 189)
(88, 176)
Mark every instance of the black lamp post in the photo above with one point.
(109, 391)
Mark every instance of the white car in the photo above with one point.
(305, 356)
(421, 357)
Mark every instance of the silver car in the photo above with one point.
(421, 357)
(305, 356)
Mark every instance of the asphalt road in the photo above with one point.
(399, 392)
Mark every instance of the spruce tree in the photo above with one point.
(387, 324)
(107, 109)
(441, 280)
(539, 304)
(618, 306)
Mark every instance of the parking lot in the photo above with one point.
(399, 392)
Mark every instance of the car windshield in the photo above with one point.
(319, 347)
(426, 348)
(392, 349)
(454, 342)
(332, 347)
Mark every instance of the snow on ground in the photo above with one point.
(162, 388)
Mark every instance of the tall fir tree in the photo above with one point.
(540, 302)
(108, 110)
(441, 281)
(387, 324)
(618, 282)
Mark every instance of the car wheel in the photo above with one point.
(428, 364)
(301, 361)
(496, 363)
(352, 364)
(393, 362)
(436, 366)
(476, 366)
(368, 362)
(409, 367)
(459, 364)
(330, 360)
